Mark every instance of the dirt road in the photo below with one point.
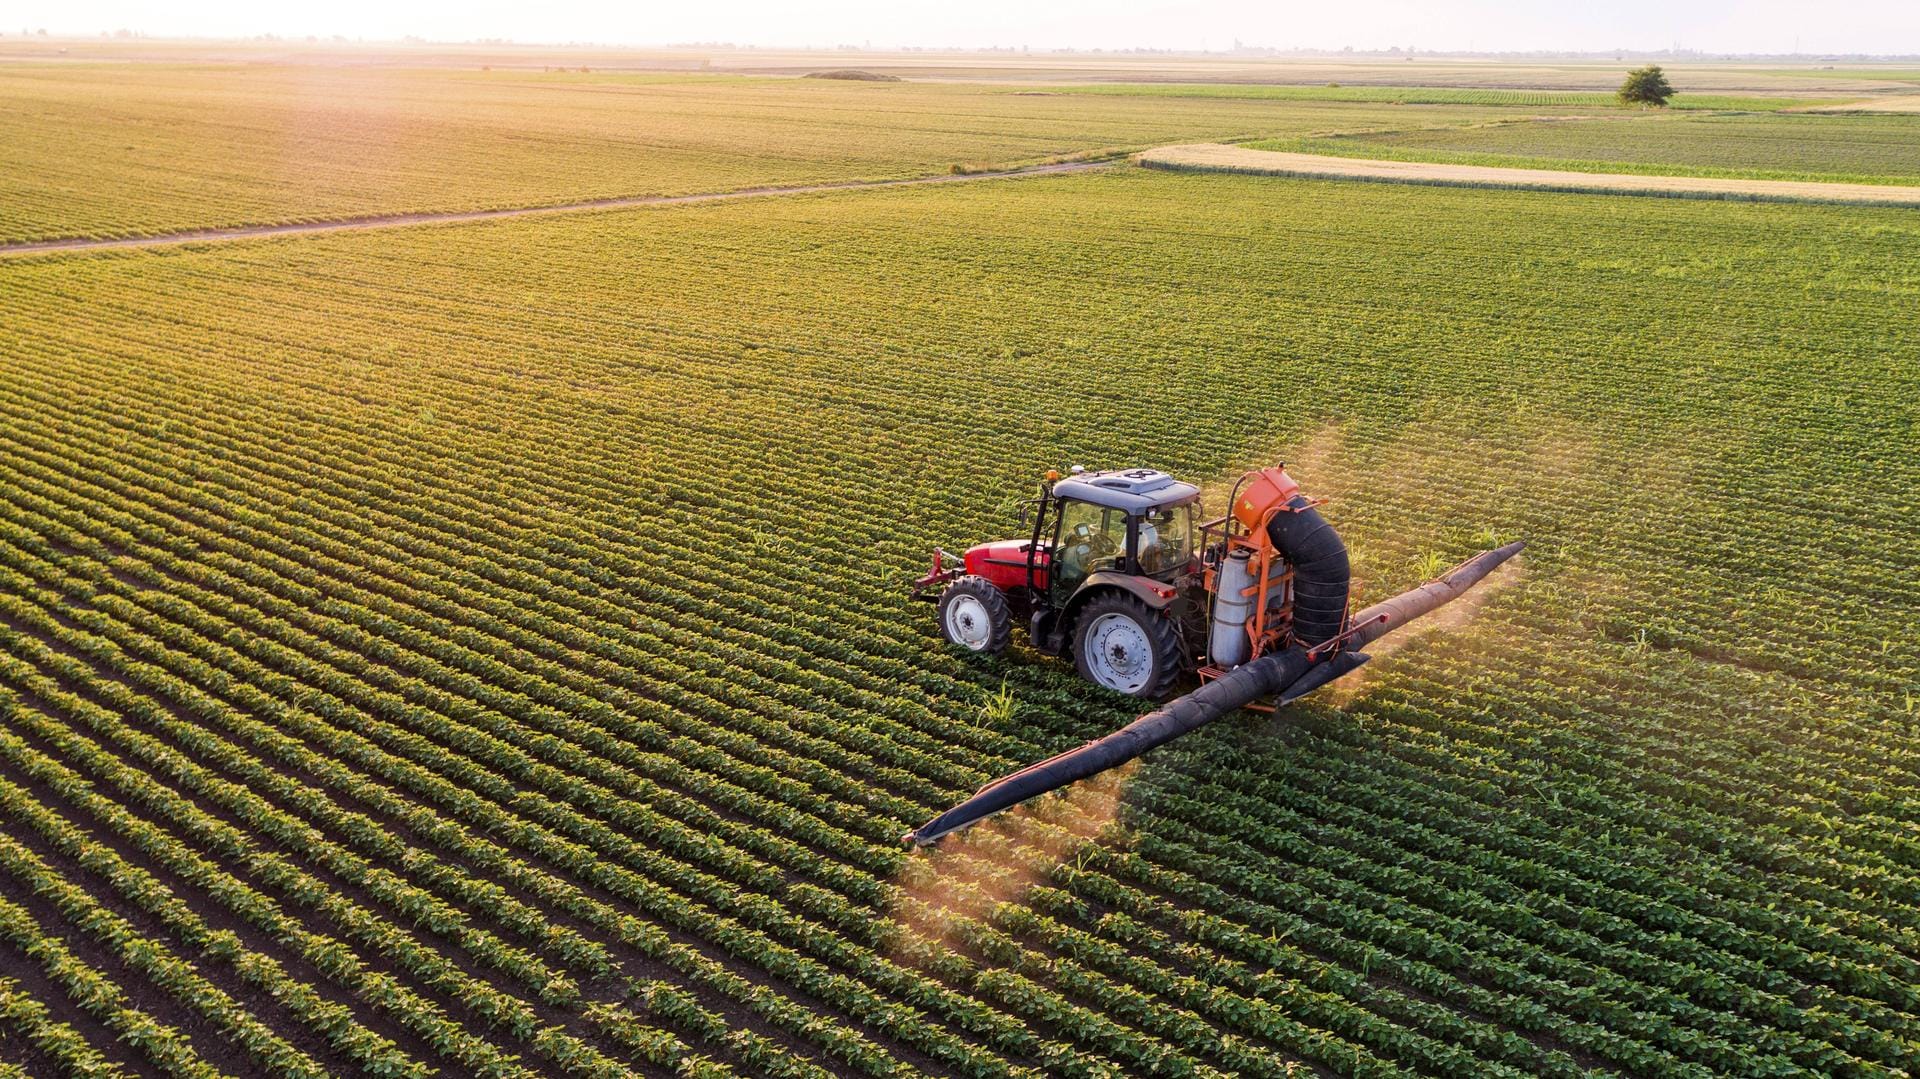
(1217, 157)
(381, 221)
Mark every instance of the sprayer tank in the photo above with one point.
(1229, 645)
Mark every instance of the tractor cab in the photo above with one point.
(1137, 522)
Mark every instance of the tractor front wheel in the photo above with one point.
(1124, 645)
(975, 616)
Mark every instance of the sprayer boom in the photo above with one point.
(1284, 674)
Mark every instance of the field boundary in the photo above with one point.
(437, 217)
(1220, 157)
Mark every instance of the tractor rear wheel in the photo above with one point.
(1124, 645)
(975, 616)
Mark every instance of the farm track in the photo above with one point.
(449, 217)
(1220, 157)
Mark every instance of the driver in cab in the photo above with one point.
(1153, 554)
(1085, 544)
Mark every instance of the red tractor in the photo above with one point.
(1117, 571)
(1254, 603)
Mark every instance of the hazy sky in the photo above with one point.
(1869, 26)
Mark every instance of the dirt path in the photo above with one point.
(1217, 157)
(381, 221)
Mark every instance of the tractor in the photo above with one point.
(1116, 571)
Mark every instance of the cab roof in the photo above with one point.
(1133, 490)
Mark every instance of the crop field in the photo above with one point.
(1448, 95)
(483, 649)
(1600, 76)
(1865, 148)
(86, 151)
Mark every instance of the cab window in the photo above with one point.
(1092, 538)
(1165, 540)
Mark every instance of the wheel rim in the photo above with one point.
(1119, 653)
(968, 622)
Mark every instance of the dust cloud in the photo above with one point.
(1427, 487)
(1000, 859)
(1454, 618)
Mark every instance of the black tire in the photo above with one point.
(1099, 622)
(974, 615)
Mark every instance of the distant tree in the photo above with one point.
(1646, 86)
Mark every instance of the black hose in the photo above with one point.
(1286, 674)
(1390, 614)
(1321, 572)
(1269, 674)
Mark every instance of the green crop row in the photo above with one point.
(512, 662)
(32, 1022)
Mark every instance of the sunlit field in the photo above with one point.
(483, 649)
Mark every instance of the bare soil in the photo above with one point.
(1218, 157)
(1893, 103)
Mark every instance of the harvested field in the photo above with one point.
(1899, 103)
(1219, 157)
(1853, 148)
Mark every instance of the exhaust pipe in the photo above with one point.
(1286, 676)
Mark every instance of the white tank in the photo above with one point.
(1228, 646)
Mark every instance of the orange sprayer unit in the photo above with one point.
(1110, 575)
(1250, 580)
